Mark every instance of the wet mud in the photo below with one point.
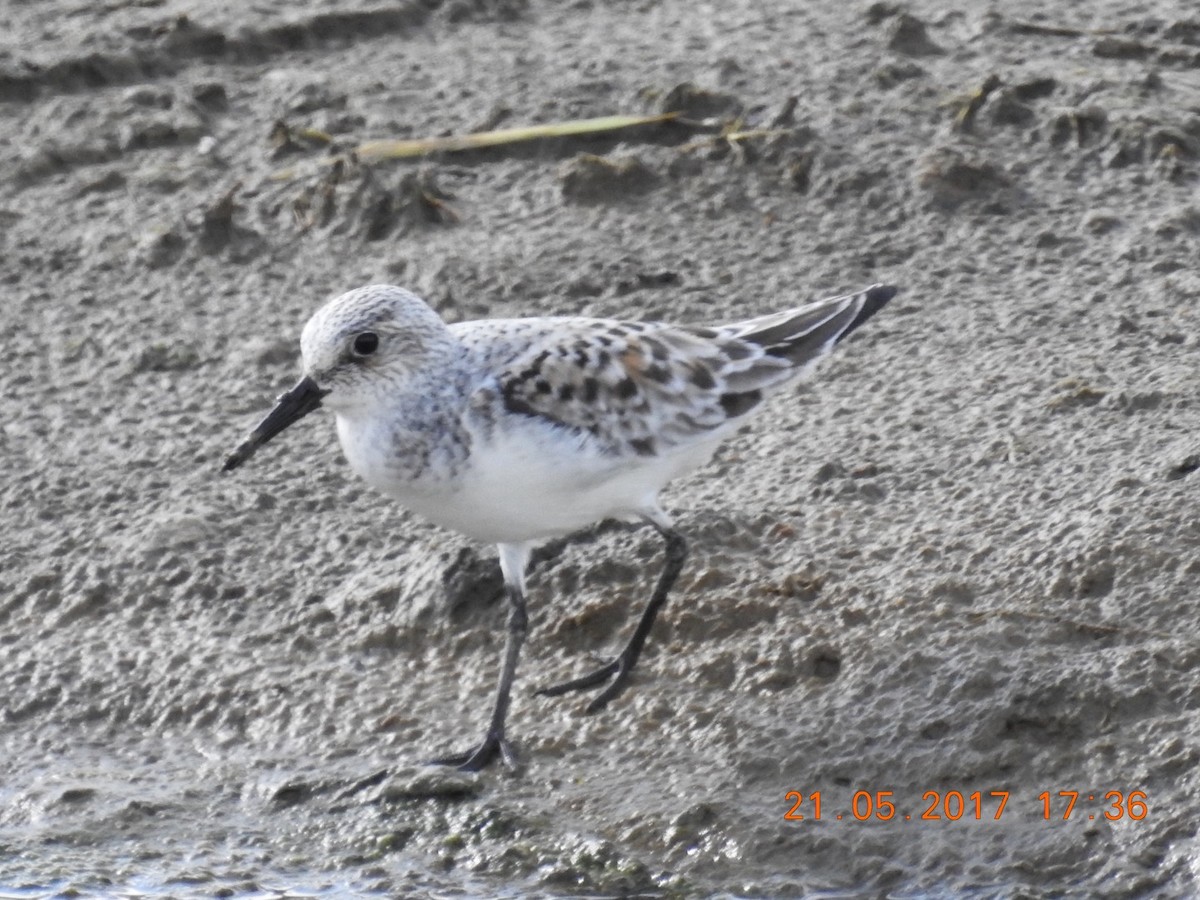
(958, 565)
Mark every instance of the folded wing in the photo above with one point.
(646, 388)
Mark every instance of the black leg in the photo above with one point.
(620, 668)
(494, 743)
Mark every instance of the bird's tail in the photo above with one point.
(805, 334)
(747, 359)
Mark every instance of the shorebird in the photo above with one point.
(513, 431)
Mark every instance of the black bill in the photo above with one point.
(290, 407)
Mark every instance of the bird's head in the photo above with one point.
(357, 347)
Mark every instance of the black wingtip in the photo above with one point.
(237, 457)
(875, 298)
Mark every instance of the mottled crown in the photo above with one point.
(409, 335)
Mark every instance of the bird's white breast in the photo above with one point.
(525, 480)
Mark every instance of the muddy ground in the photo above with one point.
(963, 558)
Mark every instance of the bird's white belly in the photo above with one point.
(523, 484)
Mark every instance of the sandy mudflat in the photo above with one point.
(963, 558)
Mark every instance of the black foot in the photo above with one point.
(492, 748)
(619, 667)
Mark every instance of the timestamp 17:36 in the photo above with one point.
(955, 805)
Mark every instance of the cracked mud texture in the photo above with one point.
(963, 557)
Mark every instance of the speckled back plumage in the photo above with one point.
(645, 388)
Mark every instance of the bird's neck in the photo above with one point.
(413, 431)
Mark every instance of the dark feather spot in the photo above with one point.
(740, 404)
(643, 446)
(658, 373)
(603, 359)
(542, 386)
(702, 378)
(617, 331)
(626, 388)
(605, 341)
(701, 332)
(736, 350)
(591, 390)
(515, 403)
(657, 348)
(566, 392)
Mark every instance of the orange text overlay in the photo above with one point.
(882, 806)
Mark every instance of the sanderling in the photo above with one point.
(512, 431)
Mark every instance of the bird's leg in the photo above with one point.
(620, 667)
(494, 743)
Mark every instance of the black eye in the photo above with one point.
(365, 344)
